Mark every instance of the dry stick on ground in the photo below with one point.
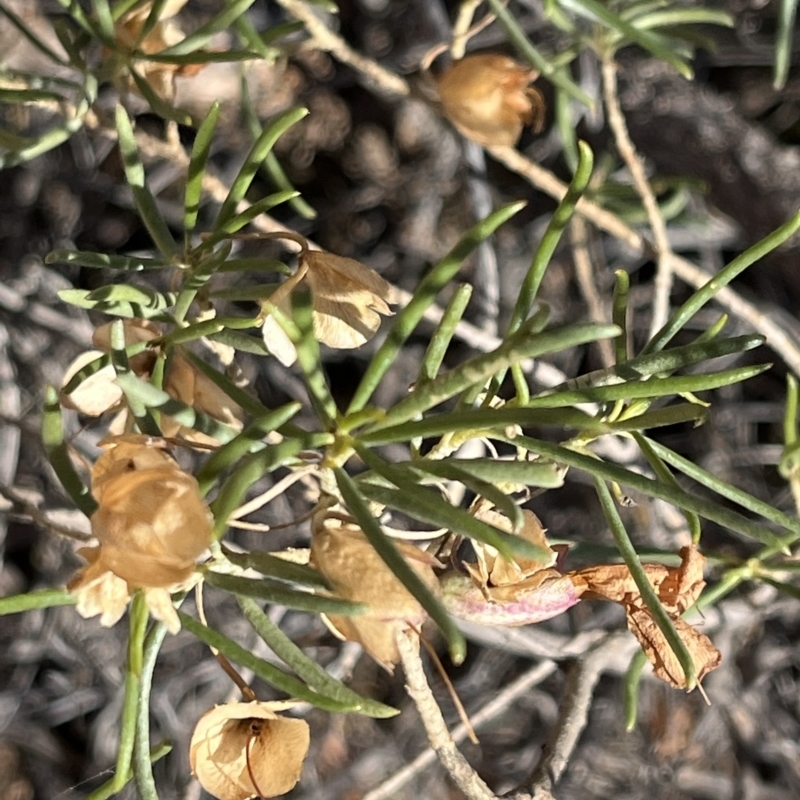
(439, 737)
(663, 252)
(533, 677)
(582, 678)
(326, 39)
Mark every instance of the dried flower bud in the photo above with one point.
(151, 524)
(348, 300)
(488, 98)
(244, 750)
(546, 594)
(510, 591)
(356, 572)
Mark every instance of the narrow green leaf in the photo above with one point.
(540, 473)
(32, 37)
(58, 454)
(722, 278)
(784, 39)
(388, 551)
(281, 180)
(104, 260)
(665, 361)
(663, 474)
(633, 677)
(659, 387)
(201, 57)
(262, 146)
(310, 362)
(252, 468)
(160, 106)
(249, 440)
(102, 13)
(648, 593)
(263, 669)
(429, 287)
(197, 168)
(445, 330)
(142, 763)
(137, 621)
(30, 601)
(619, 315)
(594, 10)
(258, 208)
(203, 35)
(476, 371)
(138, 391)
(652, 488)
(732, 493)
(669, 17)
(552, 236)
(280, 595)
(145, 202)
(307, 669)
(152, 306)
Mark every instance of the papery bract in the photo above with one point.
(151, 524)
(348, 300)
(244, 750)
(342, 553)
(488, 98)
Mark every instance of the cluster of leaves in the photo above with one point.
(169, 393)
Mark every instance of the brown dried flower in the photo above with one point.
(342, 553)
(488, 98)
(244, 750)
(99, 393)
(502, 591)
(677, 589)
(151, 525)
(348, 299)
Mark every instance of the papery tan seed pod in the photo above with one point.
(244, 750)
(488, 98)
(348, 299)
(99, 393)
(342, 553)
(151, 522)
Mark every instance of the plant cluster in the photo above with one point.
(185, 443)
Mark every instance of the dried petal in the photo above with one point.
(488, 98)
(666, 666)
(502, 571)
(348, 301)
(98, 590)
(244, 750)
(164, 34)
(186, 383)
(98, 393)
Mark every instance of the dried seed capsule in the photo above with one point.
(488, 98)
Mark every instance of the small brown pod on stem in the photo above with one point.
(488, 98)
